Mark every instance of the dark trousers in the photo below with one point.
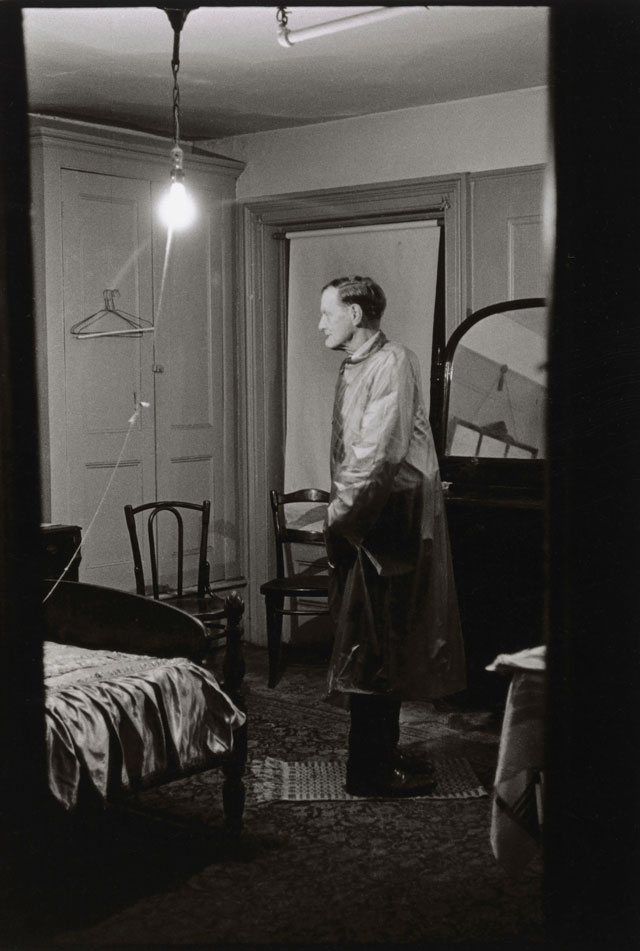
(373, 737)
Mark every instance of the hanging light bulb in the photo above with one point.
(177, 209)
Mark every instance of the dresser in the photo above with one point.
(491, 433)
(59, 542)
(497, 546)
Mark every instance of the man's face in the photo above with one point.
(336, 320)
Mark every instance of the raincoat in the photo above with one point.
(392, 595)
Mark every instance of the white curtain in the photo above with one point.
(403, 259)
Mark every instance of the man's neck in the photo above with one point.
(360, 337)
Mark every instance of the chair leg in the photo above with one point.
(274, 603)
(234, 667)
(233, 791)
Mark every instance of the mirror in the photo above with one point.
(496, 383)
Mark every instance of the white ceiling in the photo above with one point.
(112, 66)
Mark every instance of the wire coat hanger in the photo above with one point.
(136, 325)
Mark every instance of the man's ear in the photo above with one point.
(356, 314)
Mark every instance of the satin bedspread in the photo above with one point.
(117, 723)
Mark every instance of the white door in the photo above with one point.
(403, 258)
(107, 245)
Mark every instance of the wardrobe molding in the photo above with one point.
(192, 435)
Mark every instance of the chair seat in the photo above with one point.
(301, 586)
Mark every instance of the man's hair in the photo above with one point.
(363, 291)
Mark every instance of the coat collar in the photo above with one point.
(372, 345)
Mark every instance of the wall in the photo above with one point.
(505, 130)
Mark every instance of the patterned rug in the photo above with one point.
(319, 780)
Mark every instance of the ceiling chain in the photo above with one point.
(177, 17)
(175, 66)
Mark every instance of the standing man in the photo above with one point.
(391, 591)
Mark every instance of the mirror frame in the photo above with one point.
(473, 473)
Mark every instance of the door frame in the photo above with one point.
(261, 315)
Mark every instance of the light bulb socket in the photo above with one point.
(177, 171)
(176, 157)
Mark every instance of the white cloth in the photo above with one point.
(532, 658)
(516, 818)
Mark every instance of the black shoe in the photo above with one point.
(399, 784)
(413, 763)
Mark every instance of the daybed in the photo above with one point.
(131, 701)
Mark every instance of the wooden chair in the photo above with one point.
(199, 601)
(305, 584)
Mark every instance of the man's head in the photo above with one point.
(349, 304)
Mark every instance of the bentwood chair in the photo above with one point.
(311, 583)
(197, 598)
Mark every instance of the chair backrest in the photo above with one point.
(284, 534)
(153, 509)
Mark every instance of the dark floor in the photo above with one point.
(388, 873)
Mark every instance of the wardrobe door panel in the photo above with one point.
(106, 237)
(195, 434)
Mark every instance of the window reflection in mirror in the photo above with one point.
(498, 393)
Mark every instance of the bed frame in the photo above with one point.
(92, 616)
